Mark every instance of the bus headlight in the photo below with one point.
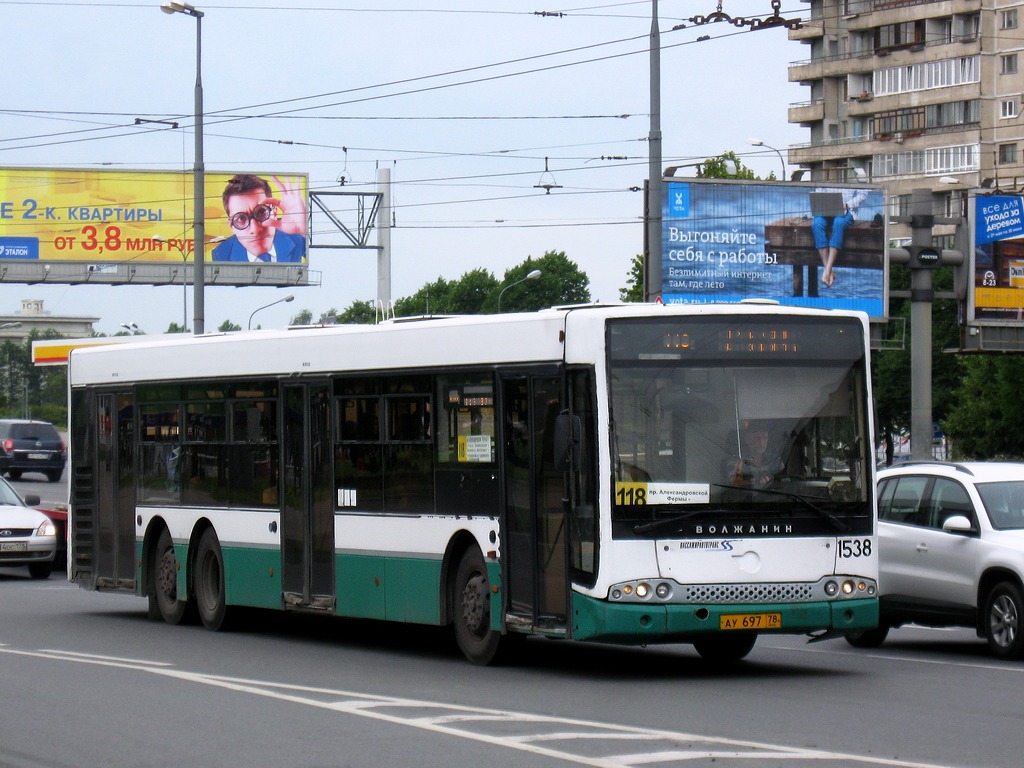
(643, 591)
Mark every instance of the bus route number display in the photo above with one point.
(642, 494)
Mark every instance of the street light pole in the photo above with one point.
(198, 172)
(184, 280)
(652, 264)
(759, 143)
(289, 297)
(534, 274)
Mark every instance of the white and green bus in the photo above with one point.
(571, 473)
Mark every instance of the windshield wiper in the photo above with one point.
(804, 500)
(668, 522)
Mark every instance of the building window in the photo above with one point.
(1008, 108)
(1008, 64)
(1008, 19)
(899, 35)
(1007, 154)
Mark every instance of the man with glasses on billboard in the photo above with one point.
(267, 228)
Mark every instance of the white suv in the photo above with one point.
(951, 551)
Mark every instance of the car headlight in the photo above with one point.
(46, 529)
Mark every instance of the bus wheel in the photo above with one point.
(209, 581)
(725, 648)
(164, 570)
(868, 638)
(472, 610)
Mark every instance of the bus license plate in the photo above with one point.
(750, 621)
(14, 546)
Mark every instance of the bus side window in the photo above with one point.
(466, 428)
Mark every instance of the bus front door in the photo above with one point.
(307, 509)
(535, 548)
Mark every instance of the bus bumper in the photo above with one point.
(601, 620)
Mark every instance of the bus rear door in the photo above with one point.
(307, 509)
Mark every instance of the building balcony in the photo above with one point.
(807, 111)
(810, 30)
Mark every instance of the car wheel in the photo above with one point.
(14, 474)
(1004, 610)
(53, 476)
(40, 570)
(725, 648)
(867, 638)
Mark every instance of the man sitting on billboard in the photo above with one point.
(267, 229)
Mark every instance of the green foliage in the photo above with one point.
(305, 317)
(477, 292)
(985, 422)
(174, 328)
(891, 371)
(359, 312)
(716, 168)
(634, 290)
(227, 326)
(30, 391)
(560, 282)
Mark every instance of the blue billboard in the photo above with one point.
(799, 244)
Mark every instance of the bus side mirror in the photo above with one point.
(566, 441)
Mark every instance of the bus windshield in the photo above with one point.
(727, 426)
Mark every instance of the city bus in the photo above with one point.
(572, 473)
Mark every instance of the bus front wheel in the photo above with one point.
(471, 610)
(725, 648)
(209, 581)
(164, 576)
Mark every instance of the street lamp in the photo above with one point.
(730, 167)
(198, 173)
(759, 143)
(532, 276)
(130, 327)
(289, 297)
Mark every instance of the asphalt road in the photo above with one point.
(88, 680)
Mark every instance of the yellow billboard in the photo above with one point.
(147, 216)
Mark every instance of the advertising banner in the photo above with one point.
(147, 216)
(797, 243)
(998, 257)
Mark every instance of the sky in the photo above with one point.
(466, 102)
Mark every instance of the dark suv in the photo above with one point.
(31, 446)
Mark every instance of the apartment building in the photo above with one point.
(913, 94)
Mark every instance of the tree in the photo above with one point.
(227, 326)
(175, 328)
(560, 282)
(634, 290)
(305, 317)
(361, 312)
(31, 391)
(715, 168)
(985, 423)
(431, 299)
(890, 369)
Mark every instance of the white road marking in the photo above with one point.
(674, 746)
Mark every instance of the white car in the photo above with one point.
(951, 551)
(27, 536)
